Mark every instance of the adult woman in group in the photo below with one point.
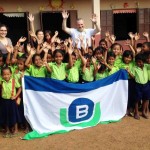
(5, 42)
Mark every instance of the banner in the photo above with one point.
(53, 106)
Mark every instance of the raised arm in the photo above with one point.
(65, 16)
(31, 19)
(27, 63)
(146, 35)
(94, 20)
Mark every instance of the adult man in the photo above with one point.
(80, 33)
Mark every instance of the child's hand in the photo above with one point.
(93, 60)
(98, 66)
(13, 98)
(137, 36)
(81, 38)
(32, 51)
(28, 47)
(22, 39)
(70, 51)
(107, 34)
(131, 35)
(56, 33)
(113, 38)
(145, 34)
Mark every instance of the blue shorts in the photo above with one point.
(142, 91)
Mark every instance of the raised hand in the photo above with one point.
(32, 51)
(137, 36)
(65, 14)
(56, 33)
(93, 60)
(145, 34)
(107, 34)
(28, 47)
(22, 39)
(131, 35)
(113, 38)
(31, 18)
(94, 18)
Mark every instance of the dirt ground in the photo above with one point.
(129, 134)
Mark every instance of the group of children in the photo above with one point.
(48, 56)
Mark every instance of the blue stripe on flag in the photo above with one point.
(52, 85)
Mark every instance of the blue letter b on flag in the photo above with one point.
(81, 109)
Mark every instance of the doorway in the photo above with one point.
(17, 24)
(53, 21)
(123, 24)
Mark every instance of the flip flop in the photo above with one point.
(6, 135)
(14, 135)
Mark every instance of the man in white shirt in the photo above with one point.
(80, 32)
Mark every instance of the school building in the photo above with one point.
(117, 16)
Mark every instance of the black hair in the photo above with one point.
(87, 56)
(35, 55)
(147, 44)
(115, 44)
(127, 53)
(139, 56)
(103, 40)
(139, 45)
(58, 51)
(100, 49)
(102, 68)
(37, 31)
(111, 54)
(6, 68)
(48, 31)
(3, 25)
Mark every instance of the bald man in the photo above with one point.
(80, 31)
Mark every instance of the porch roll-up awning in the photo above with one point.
(123, 11)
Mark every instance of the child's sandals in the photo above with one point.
(14, 135)
(6, 135)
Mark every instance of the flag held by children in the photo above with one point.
(53, 106)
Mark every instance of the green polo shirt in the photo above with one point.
(58, 72)
(118, 61)
(13, 69)
(113, 70)
(73, 74)
(148, 69)
(37, 72)
(140, 75)
(7, 88)
(88, 74)
(99, 76)
(130, 66)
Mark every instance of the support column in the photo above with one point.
(96, 10)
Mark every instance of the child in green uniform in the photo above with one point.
(73, 72)
(58, 68)
(117, 49)
(111, 68)
(10, 114)
(140, 73)
(100, 72)
(128, 64)
(38, 68)
(88, 70)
